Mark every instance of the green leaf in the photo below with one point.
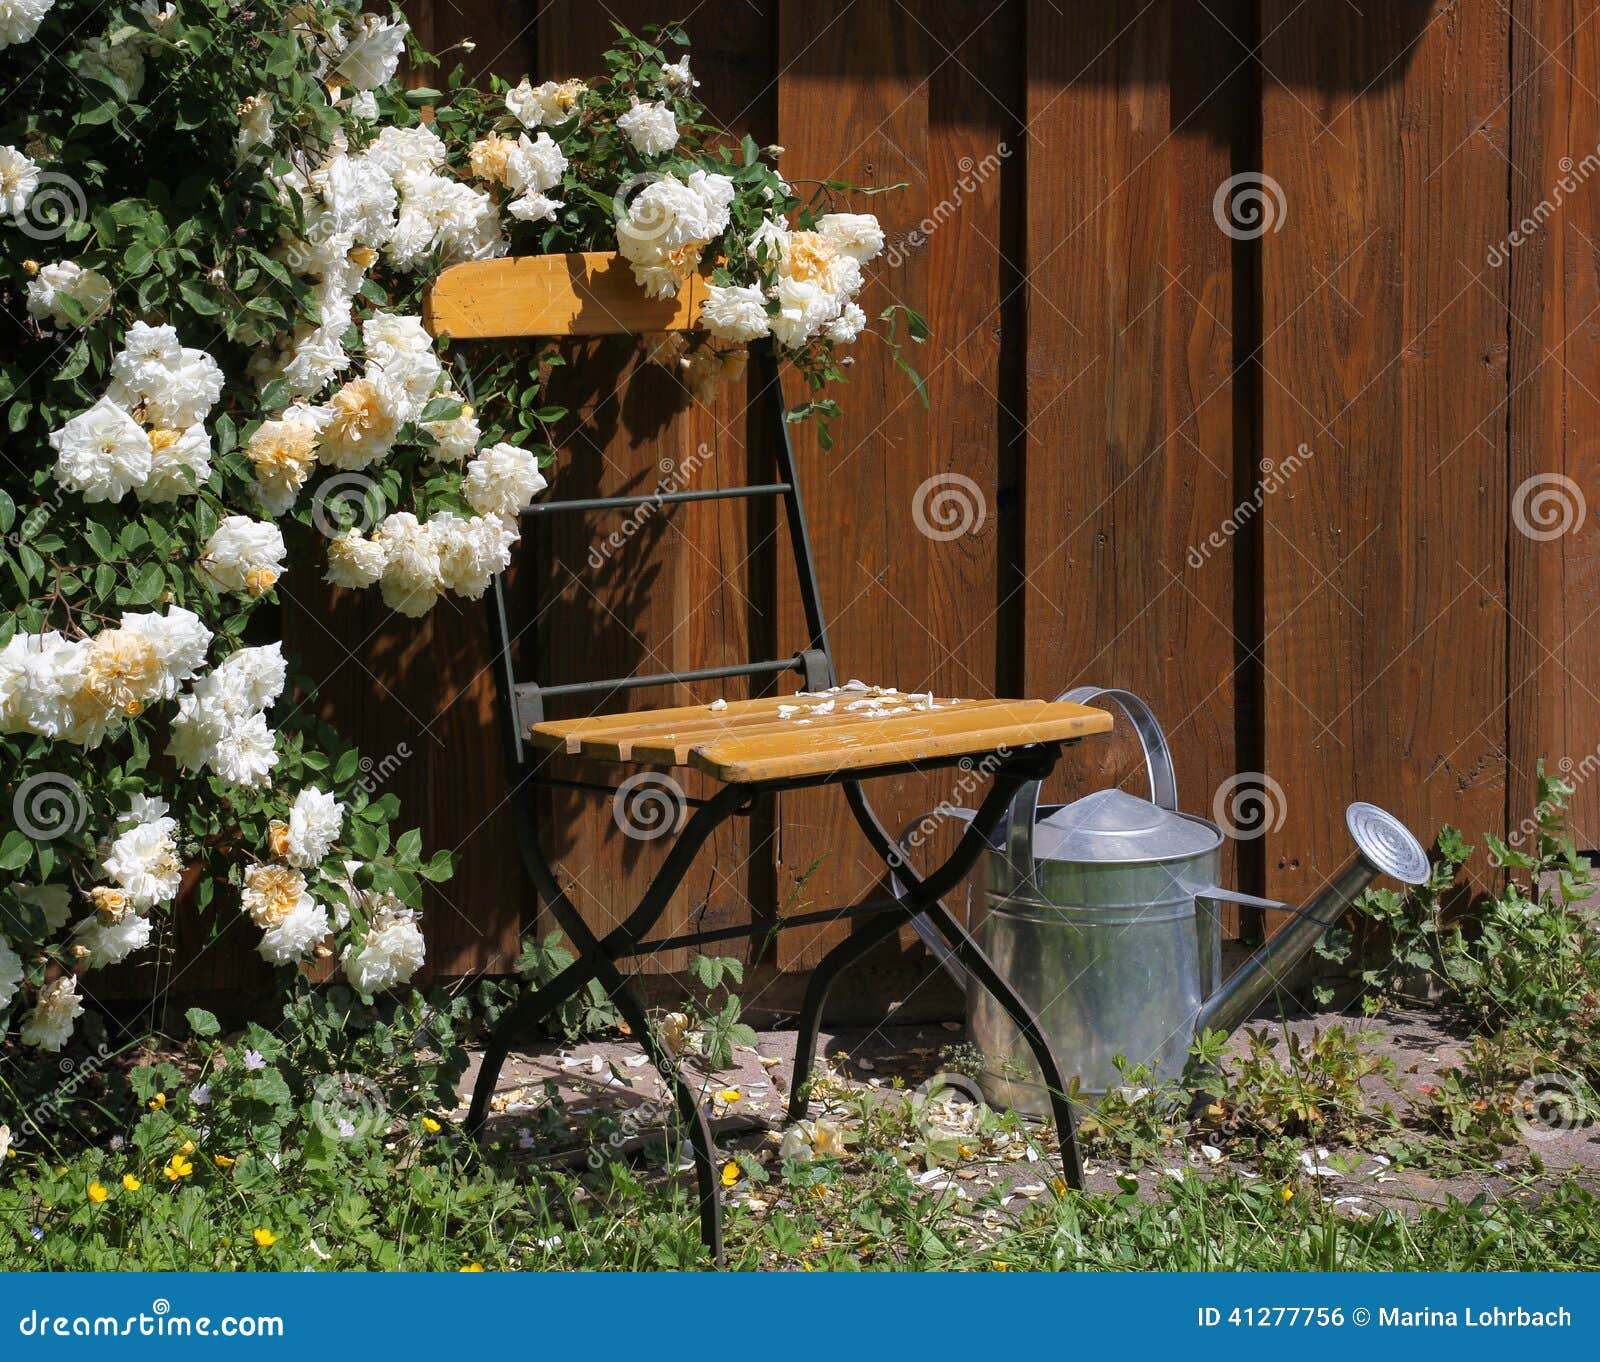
(201, 1022)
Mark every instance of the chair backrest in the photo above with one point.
(595, 294)
(592, 294)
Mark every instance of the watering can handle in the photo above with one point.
(1157, 765)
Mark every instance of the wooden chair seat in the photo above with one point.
(789, 737)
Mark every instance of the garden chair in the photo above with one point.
(746, 745)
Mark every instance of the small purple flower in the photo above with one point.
(253, 1060)
(36, 1232)
(346, 1128)
(200, 1094)
(524, 1139)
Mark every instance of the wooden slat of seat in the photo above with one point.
(583, 294)
(676, 746)
(873, 742)
(572, 734)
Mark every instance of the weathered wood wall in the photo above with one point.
(1375, 371)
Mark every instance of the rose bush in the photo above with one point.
(216, 225)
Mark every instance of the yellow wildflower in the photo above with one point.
(728, 1096)
(431, 1126)
(177, 1167)
(187, 1147)
(1000, 1265)
(472, 1267)
(1288, 1193)
(730, 1173)
(158, 1102)
(264, 1237)
(223, 1161)
(97, 1193)
(131, 1183)
(1060, 1186)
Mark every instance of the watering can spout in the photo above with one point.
(1384, 846)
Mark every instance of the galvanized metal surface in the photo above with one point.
(1104, 916)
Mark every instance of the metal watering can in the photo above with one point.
(1105, 916)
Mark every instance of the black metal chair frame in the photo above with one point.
(521, 704)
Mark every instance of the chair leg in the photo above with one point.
(690, 1111)
(830, 967)
(529, 1009)
(984, 971)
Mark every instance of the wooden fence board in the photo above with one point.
(1552, 705)
(1385, 353)
(852, 106)
(1130, 405)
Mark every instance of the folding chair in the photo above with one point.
(748, 746)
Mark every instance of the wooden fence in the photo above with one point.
(1272, 472)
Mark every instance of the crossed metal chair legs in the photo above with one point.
(596, 958)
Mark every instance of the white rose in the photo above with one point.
(49, 1025)
(735, 312)
(651, 128)
(315, 820)
(392, 952)
(372, 51)
(19, 178)
(502, 480)
(66, 279)
(180, 460)
(244, 555)
(857, 235)
(472, 552)
(410, 581)
(101, 454)
(20, 19)
(353, 560)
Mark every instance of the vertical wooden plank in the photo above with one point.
(1132, 116)
(1385, 350)
(1555, 375)
(853, 106)
(683, 590)
(474, 920)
